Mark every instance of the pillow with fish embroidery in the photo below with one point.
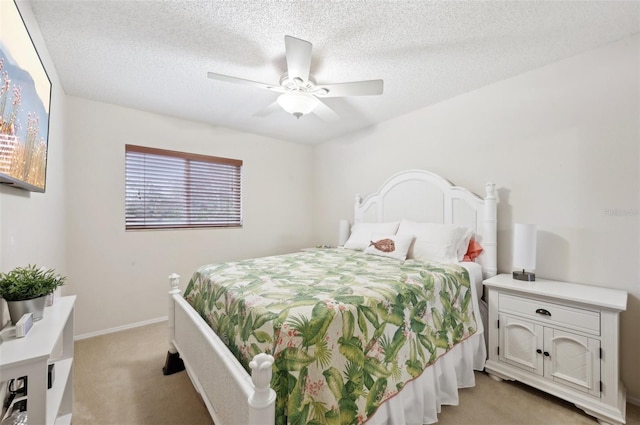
(361, 233)
(392, 246)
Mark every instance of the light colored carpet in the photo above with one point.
(118, 380)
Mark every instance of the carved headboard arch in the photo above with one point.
(421, 195)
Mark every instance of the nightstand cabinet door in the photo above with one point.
(520, 341)
(573, 360)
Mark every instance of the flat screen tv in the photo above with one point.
(25, 95)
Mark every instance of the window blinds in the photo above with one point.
(168, 189)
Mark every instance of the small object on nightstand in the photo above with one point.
(24, 325)
(16, 414)
(316, 248)
(526, 276)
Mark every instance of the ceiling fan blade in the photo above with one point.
(242, 81)
(356, 88)
(298, 57)
(273, 107)
(324, 112)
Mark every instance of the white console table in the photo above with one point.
(49, 341)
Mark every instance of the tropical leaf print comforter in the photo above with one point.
(347, 330)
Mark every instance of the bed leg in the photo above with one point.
(262, 403)
(173, 363)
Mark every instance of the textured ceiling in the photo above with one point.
(155, 55)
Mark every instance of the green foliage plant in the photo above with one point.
(25, 283)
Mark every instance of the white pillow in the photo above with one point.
(393, 246)
(361, 233)
(444, 243)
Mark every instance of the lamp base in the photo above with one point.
(526, 276)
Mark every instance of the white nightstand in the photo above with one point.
(562, 338)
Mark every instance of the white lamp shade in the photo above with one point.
(524, 247)
(343, 232)
(297, 104)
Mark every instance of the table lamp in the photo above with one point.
(524, 252)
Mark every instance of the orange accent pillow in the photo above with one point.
(473, 251)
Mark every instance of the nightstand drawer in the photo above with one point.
(545, 312)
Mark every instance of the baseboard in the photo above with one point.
(121, 328)
(633, 400)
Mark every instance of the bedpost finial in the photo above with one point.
(174, 280)
(358, 199)
(261, 371)
(263, 399)
(490, 189)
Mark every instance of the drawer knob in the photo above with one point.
(543, 312)
(546, 353)
(539, 351)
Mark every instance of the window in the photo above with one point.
(168, 189)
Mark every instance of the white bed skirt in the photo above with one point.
(420, 400)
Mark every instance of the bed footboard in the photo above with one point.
(231, 395)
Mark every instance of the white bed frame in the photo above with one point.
(231, 395)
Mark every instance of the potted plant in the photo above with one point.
(25, 290)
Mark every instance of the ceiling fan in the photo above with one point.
(300, 93)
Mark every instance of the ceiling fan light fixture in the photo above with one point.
(298, 104)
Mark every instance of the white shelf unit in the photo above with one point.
(49, 341)
(562, 338)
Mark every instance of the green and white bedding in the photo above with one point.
(347, 330)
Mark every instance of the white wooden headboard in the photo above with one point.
(420, 195)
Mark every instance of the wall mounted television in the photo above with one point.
(25, 97)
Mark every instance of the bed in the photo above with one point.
(397, 363)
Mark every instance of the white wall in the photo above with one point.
(121, 277)
(562, 145)
(32, 225)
